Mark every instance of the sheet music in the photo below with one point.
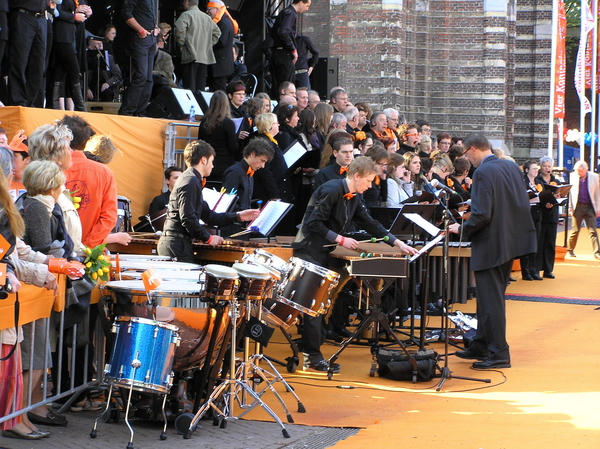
(238, 123)
(218, 202)
(269, 216)
(427, 247)
(423, 224)
(293, 154)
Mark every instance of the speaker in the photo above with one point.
(173, 104)
(325, 77)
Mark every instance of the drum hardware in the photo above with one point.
(152, 342)
(226, 392)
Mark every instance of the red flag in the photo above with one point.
(560, 63)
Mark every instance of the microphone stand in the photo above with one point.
(446, 373)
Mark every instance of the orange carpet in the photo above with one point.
(549, 398)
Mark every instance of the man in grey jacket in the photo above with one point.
(195, 34)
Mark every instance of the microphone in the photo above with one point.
(428, 187)
(435, 183)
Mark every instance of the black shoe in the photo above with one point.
(491, 364)
(333, 335)
(511, 279)
(471, 353)
(549, 275)
(344, 332)
(526, 277)
(537, 277)
(322, 366)
(51, 419)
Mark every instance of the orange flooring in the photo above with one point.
(549, 398)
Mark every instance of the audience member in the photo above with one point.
(305, 65)
(140, 16)
(223, 67)
(196, 34)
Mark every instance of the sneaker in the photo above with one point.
(322, 366)
(571, 253)
(87, 406)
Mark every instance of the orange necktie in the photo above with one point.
(203, 182)
(343, 170)
(349, 196)
(377, 180)
(250, 172)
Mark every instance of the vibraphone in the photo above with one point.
(228, 253)
(460, 278)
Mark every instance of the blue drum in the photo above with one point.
(142, 355)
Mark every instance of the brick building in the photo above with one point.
(464, 65)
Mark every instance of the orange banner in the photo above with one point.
(560, 63)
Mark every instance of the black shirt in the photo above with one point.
(284, 29)
(141, 10)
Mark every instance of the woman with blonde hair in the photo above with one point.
(272, 181)
(323, 113)
(397, 181)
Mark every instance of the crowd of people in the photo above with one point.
(58, 200)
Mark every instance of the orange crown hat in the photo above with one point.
(20, 147)
(222, 10)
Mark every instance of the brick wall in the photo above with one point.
(451, 62)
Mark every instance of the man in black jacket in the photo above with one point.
(187, 208)
(500, 229)
(284, 53)
(331, 210)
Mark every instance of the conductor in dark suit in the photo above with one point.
(500, 229)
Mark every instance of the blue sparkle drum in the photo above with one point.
(143, 354)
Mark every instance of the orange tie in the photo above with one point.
(343, 170)
(250, 172)
(203, 182)
(377, 180)
(349, 196)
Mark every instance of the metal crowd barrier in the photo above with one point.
(38, 304)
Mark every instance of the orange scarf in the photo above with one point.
(343, 170)
(203, 182)
(349, 196)
(250, 172)
(223, 10)
(271, 138)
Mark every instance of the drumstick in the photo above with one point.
(245, 231)
(371, 240)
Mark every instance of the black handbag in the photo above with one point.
(395, 364)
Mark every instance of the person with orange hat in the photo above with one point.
(223, 49)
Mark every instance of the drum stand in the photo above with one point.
(135, 364)
(226, 393)
(249, 370)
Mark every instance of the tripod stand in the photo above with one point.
(222, 399)
(446, 373)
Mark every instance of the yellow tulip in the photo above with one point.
(94, 276)
(89, 264)
(105, 269)
(88, 250)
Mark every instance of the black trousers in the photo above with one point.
(137, 95)
(282, 69)
(314, 329)
(176, 247)
(546, 251)
(27, 42)
(194, 76)
(491, 310)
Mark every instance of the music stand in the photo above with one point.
(445, 371)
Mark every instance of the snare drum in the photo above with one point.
(180, 304)
(221, 282)
(255, 281)
(143, 354)
(276, 265)
(142, 257)
(307, 287)
(123, 215)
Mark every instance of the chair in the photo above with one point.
(251, 83)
